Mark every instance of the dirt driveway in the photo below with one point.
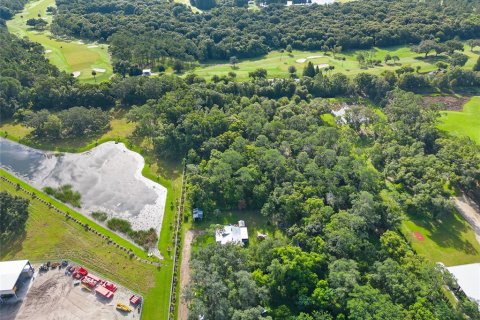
(470, 211)
(185, 272)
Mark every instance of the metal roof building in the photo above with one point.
(11, 272)
(468, 278)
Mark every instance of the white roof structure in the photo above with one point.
(9, 273)
(468, 278)
(231, 234)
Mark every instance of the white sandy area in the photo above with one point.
(314, 57)
(80, 42)
(52, 295)
(92, 46)
(301, 60)
(100, 70)
(48, 51)
(322, 66)
(76, 74)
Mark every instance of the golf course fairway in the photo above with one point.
(71, 56)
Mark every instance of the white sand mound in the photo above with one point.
(322, 66)
(301, 60)
(80, 42)
(76, 74)
(100, 70)
(92, 46)
(314, 57)
(48, 51)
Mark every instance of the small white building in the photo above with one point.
(12, 274)
(232, 234)
(468, 278)
(146, 72)
(197, 214)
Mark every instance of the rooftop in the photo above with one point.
(9, 273)
(468, 278)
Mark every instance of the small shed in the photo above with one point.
(197, 214)
(146, 72)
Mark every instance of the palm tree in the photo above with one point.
(94, 74)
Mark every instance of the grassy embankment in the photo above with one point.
(463, 123)
(167, 174)
(69, 56)
(276, 63)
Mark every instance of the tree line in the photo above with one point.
(147, 31)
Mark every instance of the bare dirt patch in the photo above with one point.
(53, 296)
(185, 272)
(451, 103)
(470, 211)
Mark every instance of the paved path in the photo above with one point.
(470, 211)
(185, 273)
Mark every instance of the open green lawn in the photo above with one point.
(276, 63)
(254, 221)
(69, 56)
(120, 129)
(464, 123)
(451, 241)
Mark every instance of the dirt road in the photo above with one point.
(185, 272)
(470, 211)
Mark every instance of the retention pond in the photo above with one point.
(108, 177)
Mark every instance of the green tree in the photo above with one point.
(13, 216)
(309, 70)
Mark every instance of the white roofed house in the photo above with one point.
(12, 276)
(146, 72)
(232, 234)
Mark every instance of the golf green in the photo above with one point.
(68, 55)
(463, 123)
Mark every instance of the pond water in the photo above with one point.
(108, 178)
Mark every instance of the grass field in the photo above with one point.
(50, 236)
(464, 123)
(168, 174)
(450, 241)
(69, 56)
(276, 63)
(120, 129)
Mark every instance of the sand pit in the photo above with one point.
(314, 57)
(99, 70)
(108, 178)
(48, 51)
(322, 66)
(53, 296)
(301, 60)
(76, 74)
(92, 46)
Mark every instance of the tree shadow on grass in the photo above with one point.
(447, 232)
(14, 246)
(432, 59)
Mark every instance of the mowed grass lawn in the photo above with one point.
(463, 123)
(49, 236)
(276, 63)
(120, 129)
(69, 56)
(450, 241)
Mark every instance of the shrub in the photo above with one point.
(99, 215)
(65, 194)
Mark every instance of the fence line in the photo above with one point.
(85, 225)
(178, 224)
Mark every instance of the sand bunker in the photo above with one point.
(314, 57)
(108, 178)
(48, 51)
(301, 60)
(76, 74)
(99, 70)
(322, 66)
(92, 46)
(80, 42)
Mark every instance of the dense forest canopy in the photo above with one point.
(336, 189)
(145, 30)
(13, 216)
